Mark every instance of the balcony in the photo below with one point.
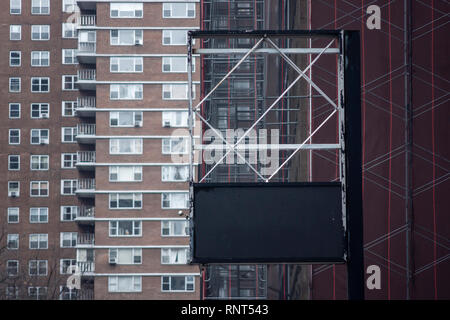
(86, 188)
(87, 20)
(85, 294)
(86, 268)
(86, 79)
(86, 46)
(86, 133)
(85, 240)
(86, 106)
(86, 160)
(85, 215)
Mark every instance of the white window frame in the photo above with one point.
(72, 4)
(41, 238)
(40, 136)
(170, 170)
(41, 212)
(40, 163)
(73, 107)
(73, 160)
(13, 6)
(168, 91)
(38, 292)
(168, 146)
(11, 190)
(135, 253)
(169, 225)
(168, 34)
(9, 162)
(72, 262)
(136, 284)
(71, 54)
(73, 185)
(9, 136)
(136, 225)
(137, 8)
(19, 31)
(171, 117)
(15, 58)
(40, 79)
(40, 58)
(42, 113)
(164, 198)
(168, 62)
(136, 89)
(38, 267)
(40, 27)
(8, 268)
(167, 280)
(135, 143)
(41, 6)
(73, 212)
(136, 199)
(168, 8)
(71, 28)
(138, 37)
(73, 239)
(10, 85)
(13, 212)
(10, 238)
(136, 116)
(73, 82)
(73, 134)
(40, 188)
(114, 171)
(10, 111)
(167, 255)
(117, 61)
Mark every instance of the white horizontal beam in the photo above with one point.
(267, 50)
(321, 146)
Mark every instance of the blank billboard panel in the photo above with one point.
(268, 223)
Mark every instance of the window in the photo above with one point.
(179, 10)
(126, 64)
(68, 108)
(68, 239)
(69, 56)
(39, 111)
(12, 267)
(40, 58)
(65, 264)
(125, 228)
(39, 136)
(125, 200)
(40, 32)
(125, 173)
(176, 64)
(174, 173)
(126, 10)
(14, 136)
(174, 256)
(125, 284)
(68, 187)
(174, 37)
(14, 84)
(177, 283)
(126, 37)
(125, 146)
(125, 119)
(69, 213)
(15, 32)
(70, 82)
(38, 267)
(68, 293)
(69, 134)
(37, 293)
(12, 241)
(174, 145)
(68, 160)
(70, 6)
(126, 91)
(13, 215)
(126, 256)
(175, 200)
(40, 84)
(173, 228)
(15, 58)
(12, 293)
(69, 30)
(14, 110)
(176, 92)
(15, 6)
(38, 215)
(13, 188)
(38, 241)
(175, 118)
(39, 162)
(40, 6)
(14, 162)
(39, 188)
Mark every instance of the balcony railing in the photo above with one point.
(86, 47)
(85, 294)
(86, 184)
(86, 156)
(86, 102)
(87, 20)
(86, 267)
(86, 129)
(85, 239)
(86, 212)
(86, 75)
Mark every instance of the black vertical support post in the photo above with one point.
(354, 208)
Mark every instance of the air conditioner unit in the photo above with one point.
(166, 124)
(44, 141)
(13, 194)
(138, 42)
(138, 123)
(113, 260)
